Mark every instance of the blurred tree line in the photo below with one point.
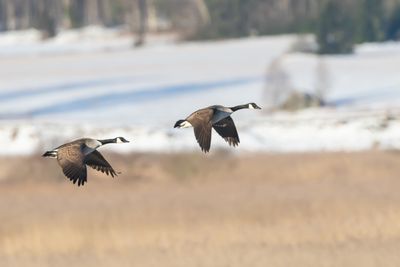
(341, 24)
(338, 24)
(51, 16)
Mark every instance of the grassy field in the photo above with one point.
(333, 209)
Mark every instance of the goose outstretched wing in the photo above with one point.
(226, 129)
(96, 161)
(71, 160)
(201, 122)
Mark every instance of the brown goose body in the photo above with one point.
(74, 156)
(217, 117)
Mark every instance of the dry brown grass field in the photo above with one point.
(186, 210)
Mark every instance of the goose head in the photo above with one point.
(120, 140)
(111, 141)
(253, 106)
(182, 124)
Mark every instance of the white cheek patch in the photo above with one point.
(185, 124)
(119, 140)
(251, 106)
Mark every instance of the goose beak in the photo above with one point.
(122, 140)
(255, 106)
(178, 124)
(50, 154)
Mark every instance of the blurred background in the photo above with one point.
(314, 181)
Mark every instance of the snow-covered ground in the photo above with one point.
(92, 83)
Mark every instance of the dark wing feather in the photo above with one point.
(203, 136)
(96, 161)
(226, 129)
(70, 158)
(201, 122)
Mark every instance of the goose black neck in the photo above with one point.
(107, 141)
(235, 108)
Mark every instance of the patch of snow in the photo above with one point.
(90, 82)
(322, 130)
(30, 36)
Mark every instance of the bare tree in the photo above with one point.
(142, 26)
(322, 80)
(92, 12)
(202, 9)
(47, 19)
(278, 84)
(11, 18)
(105, 12)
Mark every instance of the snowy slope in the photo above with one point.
(91, 83)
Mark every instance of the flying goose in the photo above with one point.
(217, 117)
(74, 156)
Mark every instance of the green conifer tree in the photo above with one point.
(372, 22)
(335, 30)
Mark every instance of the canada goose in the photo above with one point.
(74, 156)
(217, 117)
